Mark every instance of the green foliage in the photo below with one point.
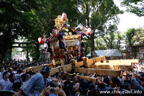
(109, 40)
(119, 40)
(134, 6)
(43, 20)
(129, 35)
(100, 15)
(32, 19)
(100, 44)
(35, 18)
(14, 22)
(134, 36)
(114, 40)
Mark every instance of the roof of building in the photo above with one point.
(108, 52)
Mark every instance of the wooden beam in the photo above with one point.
(98, 71)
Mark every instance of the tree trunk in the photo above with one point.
(87, 14)
(92, 44)
(86, 46)
(37, 51)
(5, 45)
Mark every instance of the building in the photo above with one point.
(109, 54)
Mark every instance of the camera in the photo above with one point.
(52, 90)
(53, 85)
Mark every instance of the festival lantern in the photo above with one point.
(64, 16)
(89, 31)
(40, 40)
(55, 32)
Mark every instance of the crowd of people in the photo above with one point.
(13, 74)
(14, 77)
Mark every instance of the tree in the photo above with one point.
(119, 40)
(114, 40)
(100, 44)
(129, 35)
(31, 19)
(100, 15)
(43, 20)
(134, 6)
(13, 22)
(109, 40)
(134, 36)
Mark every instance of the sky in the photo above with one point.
(128, 20)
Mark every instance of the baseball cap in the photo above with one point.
(45, 69)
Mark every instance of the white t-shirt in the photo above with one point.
(139, 68)
(3, 83)
(14, 72)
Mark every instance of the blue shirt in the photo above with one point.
(34, 86)
(9, 86)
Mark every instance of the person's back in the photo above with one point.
(34, 86)
(18, 77)
(11, 82)
(8, 86)
(4, 81)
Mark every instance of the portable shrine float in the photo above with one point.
(65, 43)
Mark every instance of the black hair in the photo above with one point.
(9, 68)
(115, 81)
(31, 73)
(89, 82)
(101, 86)
(11, 75)
(24, 76)
(43, 72)
(83, 88)
(66, 87)
(53, 83)
(126, 85)
(91, 85)
(15, 68)
(73, 76)
(6, 67)
(107, 81)
(81, 80)
(19, 71)
(16, 86)
(4, 73)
